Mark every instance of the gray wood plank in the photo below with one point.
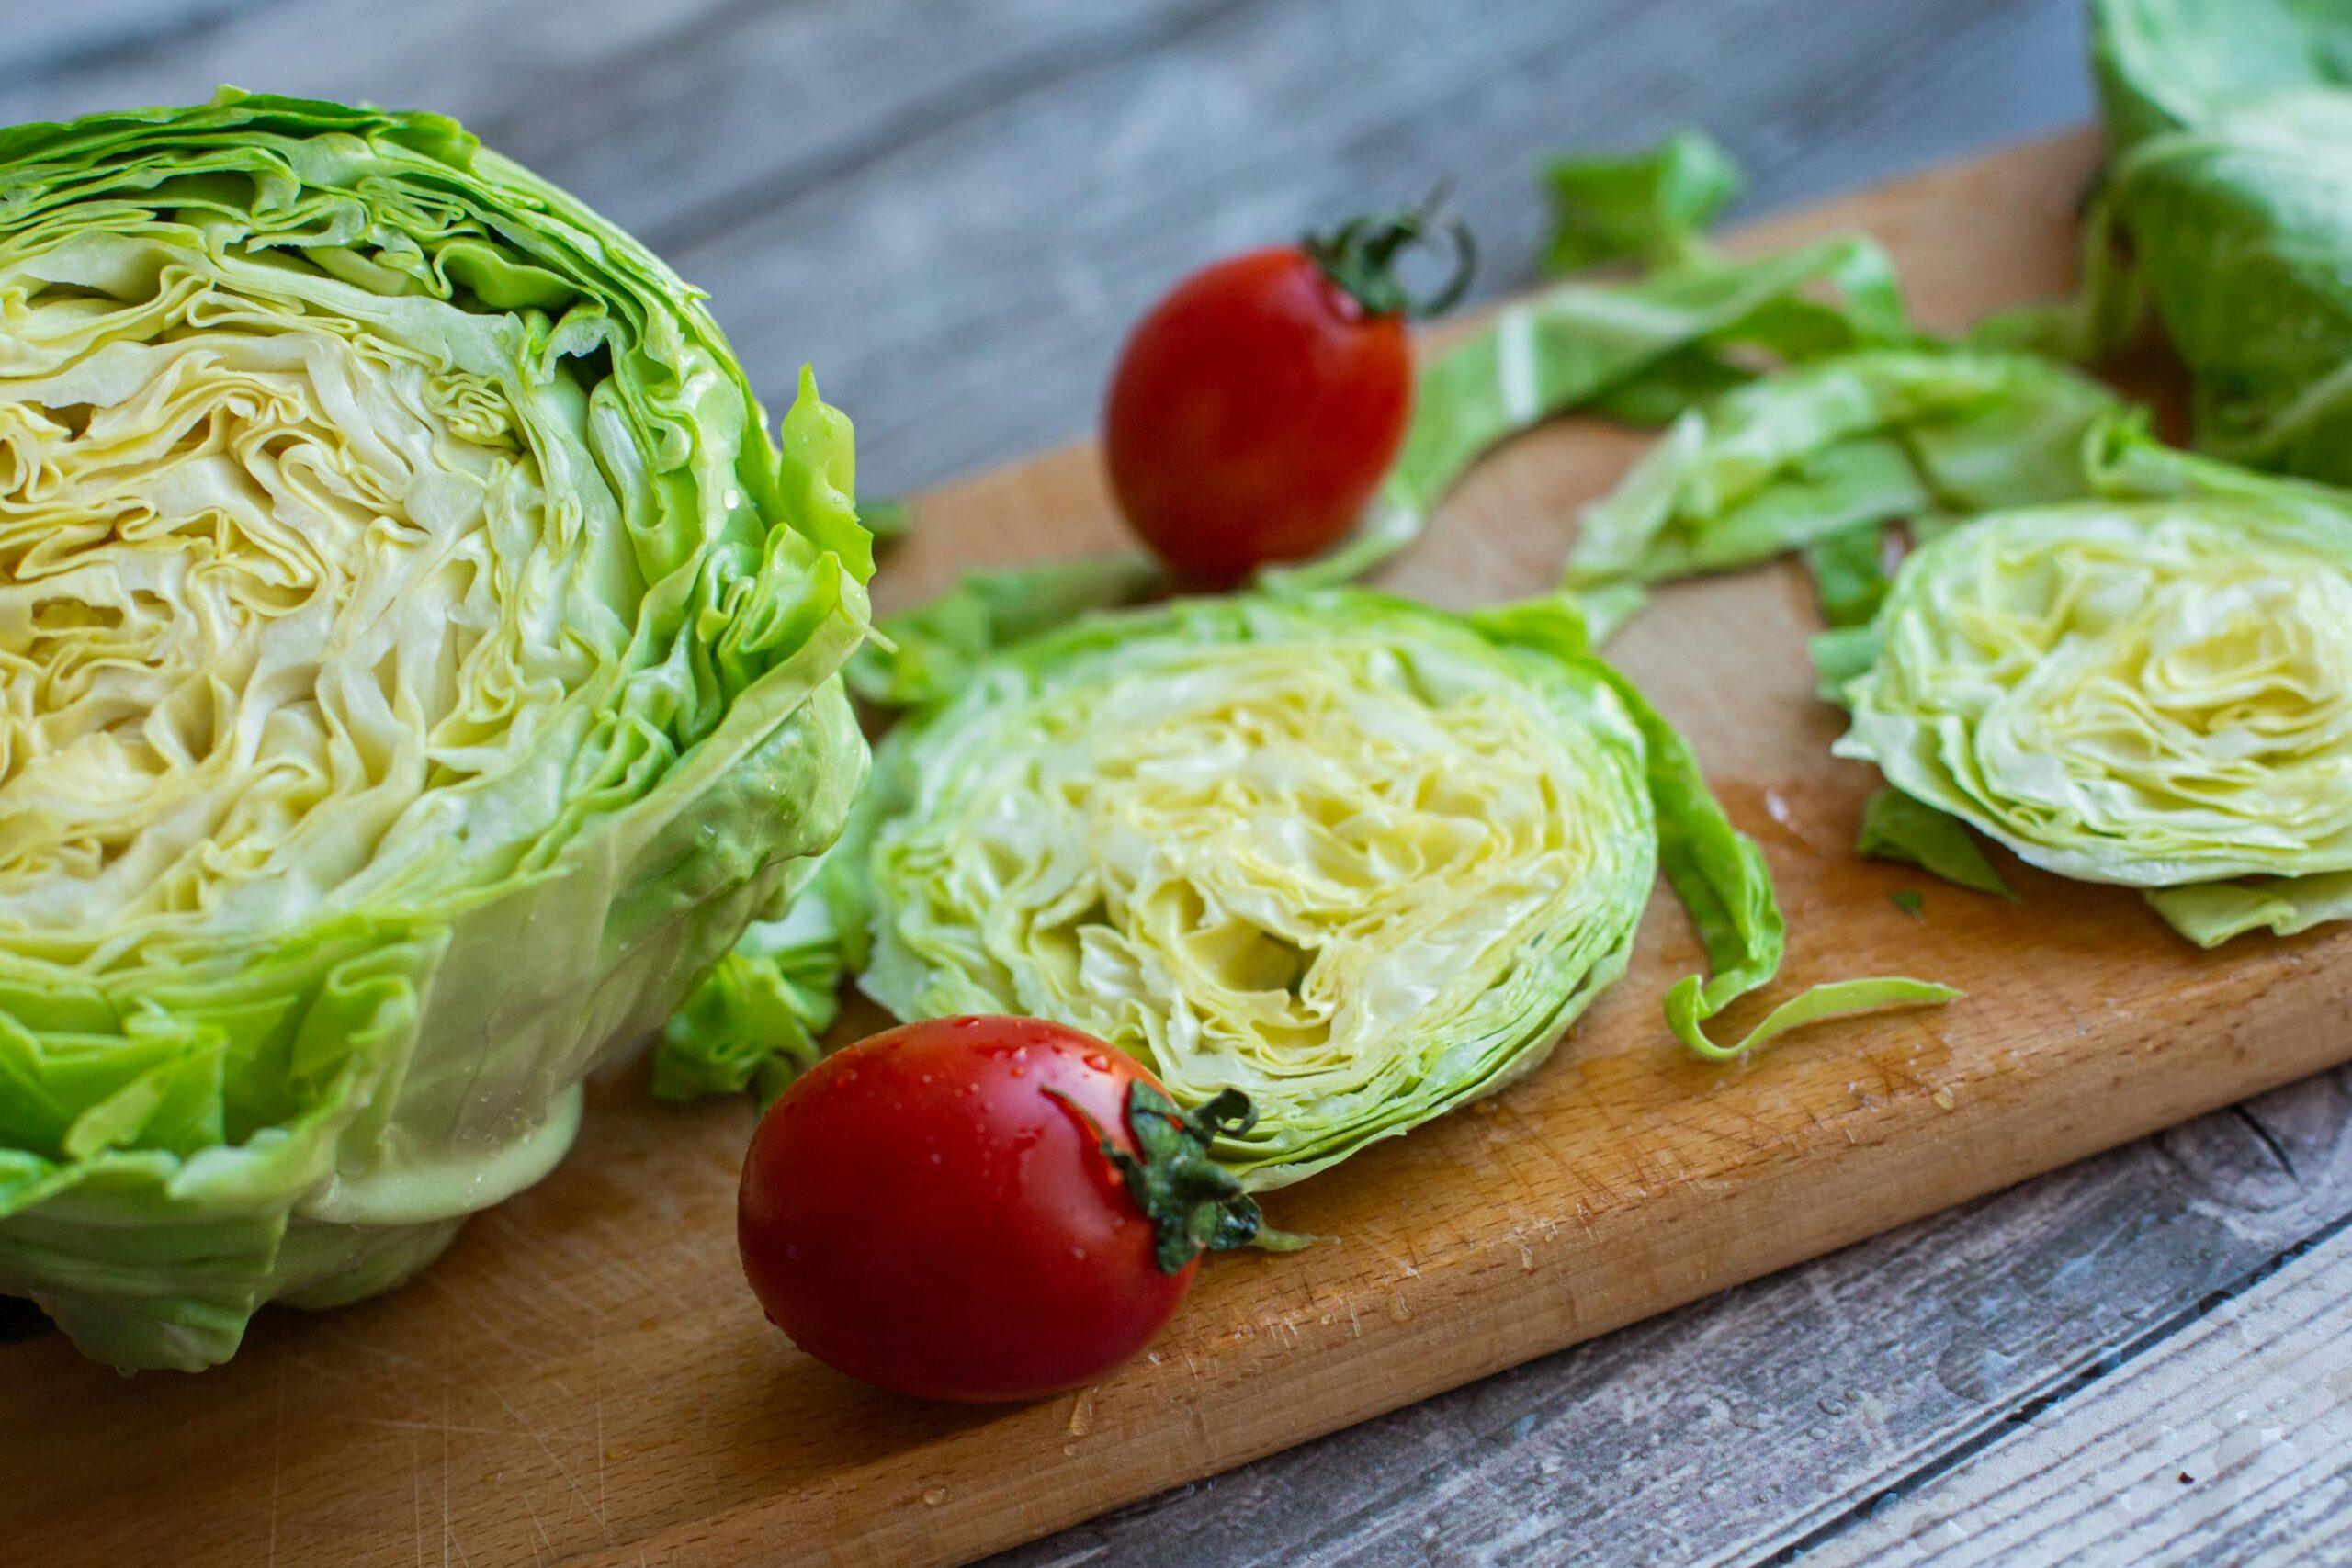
(998, 257)
(1778, 1415)
(2231, 1437)
(953, 206)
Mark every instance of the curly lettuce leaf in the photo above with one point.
(2226, 212)
(1718, 874)
(1897, 827)
(1653, 207)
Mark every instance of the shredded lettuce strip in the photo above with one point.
(1643, 351)
(1825, 455)
(1719, 875)
(1651, 207)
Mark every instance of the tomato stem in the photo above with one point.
(1195, 1204)
(1360, 258)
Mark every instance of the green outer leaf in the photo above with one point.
(2168, 65)
(2227, 209)
(1645, 349)
(2211, 913)
(756, 1020)
(1832, 448)
(298, 1094)
(1839, 656)
(1849, 577)
(1719, 875)
(1652, 207)
(1897, 827)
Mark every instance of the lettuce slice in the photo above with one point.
(2152, 689)
(1360, 858)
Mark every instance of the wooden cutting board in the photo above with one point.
(584, 1378)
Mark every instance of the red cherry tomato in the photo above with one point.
(922, 1213)
(1257, 408)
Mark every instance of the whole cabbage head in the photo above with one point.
(417, 663)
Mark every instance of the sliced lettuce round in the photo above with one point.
(417, 663)
(1360, 859)
(2156, 693)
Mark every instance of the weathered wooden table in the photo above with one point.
(954, 209)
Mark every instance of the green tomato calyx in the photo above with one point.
(1195, 1204)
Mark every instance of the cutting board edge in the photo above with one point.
(2204, 1069)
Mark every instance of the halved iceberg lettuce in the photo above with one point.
(417, 663)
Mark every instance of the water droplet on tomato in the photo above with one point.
(1098, 1061)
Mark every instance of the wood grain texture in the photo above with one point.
(1787, 1412)
(954, 207)
(584, 1380)
(2230, 1438)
